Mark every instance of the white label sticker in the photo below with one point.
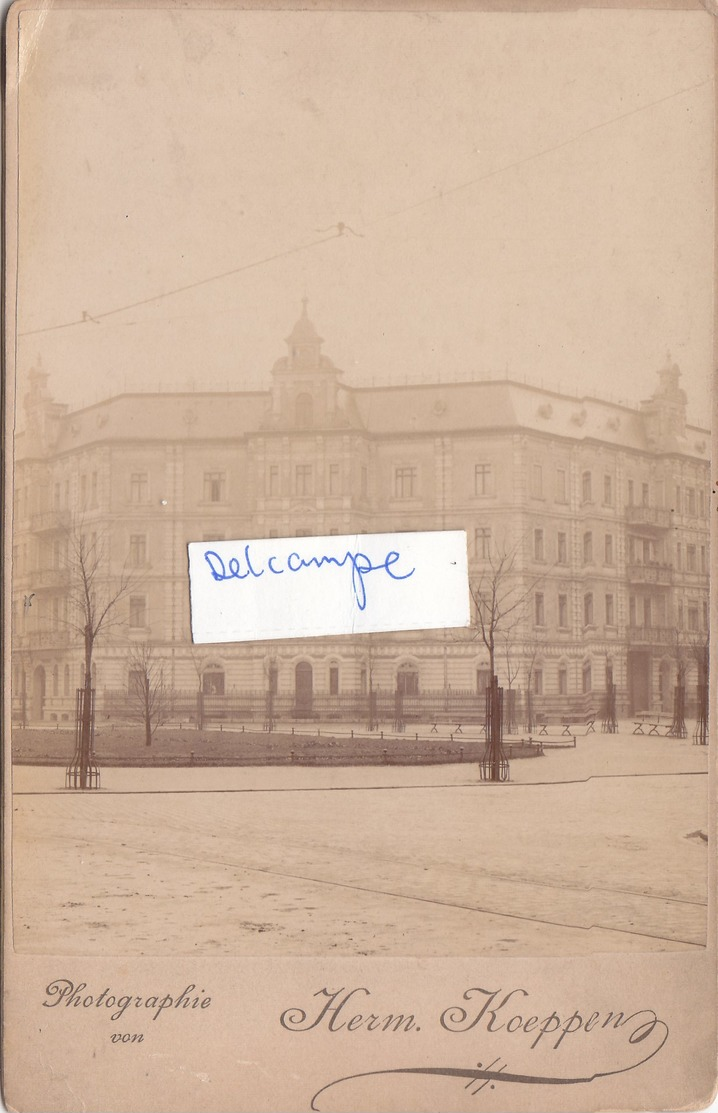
(298, 587)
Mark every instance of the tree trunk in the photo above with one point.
(86, 726)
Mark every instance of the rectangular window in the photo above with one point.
(561, 549)
(691, 500)
(538, 609)
(644, 494)
(702, 503)
(138, 486)
(537, 481)
(538, 544)
(482, 479)
(214, 486)
(273, 480)
(587, 547)
(405, 485)
(691, 558)
(680, 616)
(303, 479)
(538, 682)
(586, 487)
(562, 682)
(66, 501)
(610, 617)
(138, 611)
(608, 549)
(704, 559)
(83, 490)
(334, 479)
(56, 497)
(563, 611)
(586, 681)
(647, 612)
(705, 616)
(588, 609)
(607, 490)
(138, 550)
(93, 489)
(679, 556)
(693, 619)
(630, 492)
(334, 680)
(561, 485)
(678, 500)
(482, 543)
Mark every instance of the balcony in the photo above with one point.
(652, 516)
(42, 639)
(48, 520)
(651, 635)
(48, 578)
(652, 573)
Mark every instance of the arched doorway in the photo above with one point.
(407, 680)
(38, 693)
(213, 680)
(303, 689)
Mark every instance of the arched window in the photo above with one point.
(304, 411)
(407, 680)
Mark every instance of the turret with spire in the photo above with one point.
(305, 383)
(665, 411)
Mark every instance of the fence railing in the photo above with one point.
(380, 707)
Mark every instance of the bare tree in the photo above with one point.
(146, 689)
(197, 658)
(500, 601)
(94, 597)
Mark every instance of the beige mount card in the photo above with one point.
(359, 753)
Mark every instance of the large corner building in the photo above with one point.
(604, 506)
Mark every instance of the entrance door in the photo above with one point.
(639, 681)
(303, 690)
(38, 693)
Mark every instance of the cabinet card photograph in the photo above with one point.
(359, 747)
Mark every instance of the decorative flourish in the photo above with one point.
(491, 1075)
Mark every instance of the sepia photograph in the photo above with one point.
(359, 479)
(516, 347)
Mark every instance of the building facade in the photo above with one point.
(603, 510)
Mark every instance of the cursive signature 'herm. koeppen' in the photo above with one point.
(360, 565)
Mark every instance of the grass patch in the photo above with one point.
(125, 745)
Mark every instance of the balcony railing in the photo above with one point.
(651, 635)
(49, 520)
(50, 578)
(648, 516)
(42, 639)
(651, 573)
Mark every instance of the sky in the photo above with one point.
(458, 195)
